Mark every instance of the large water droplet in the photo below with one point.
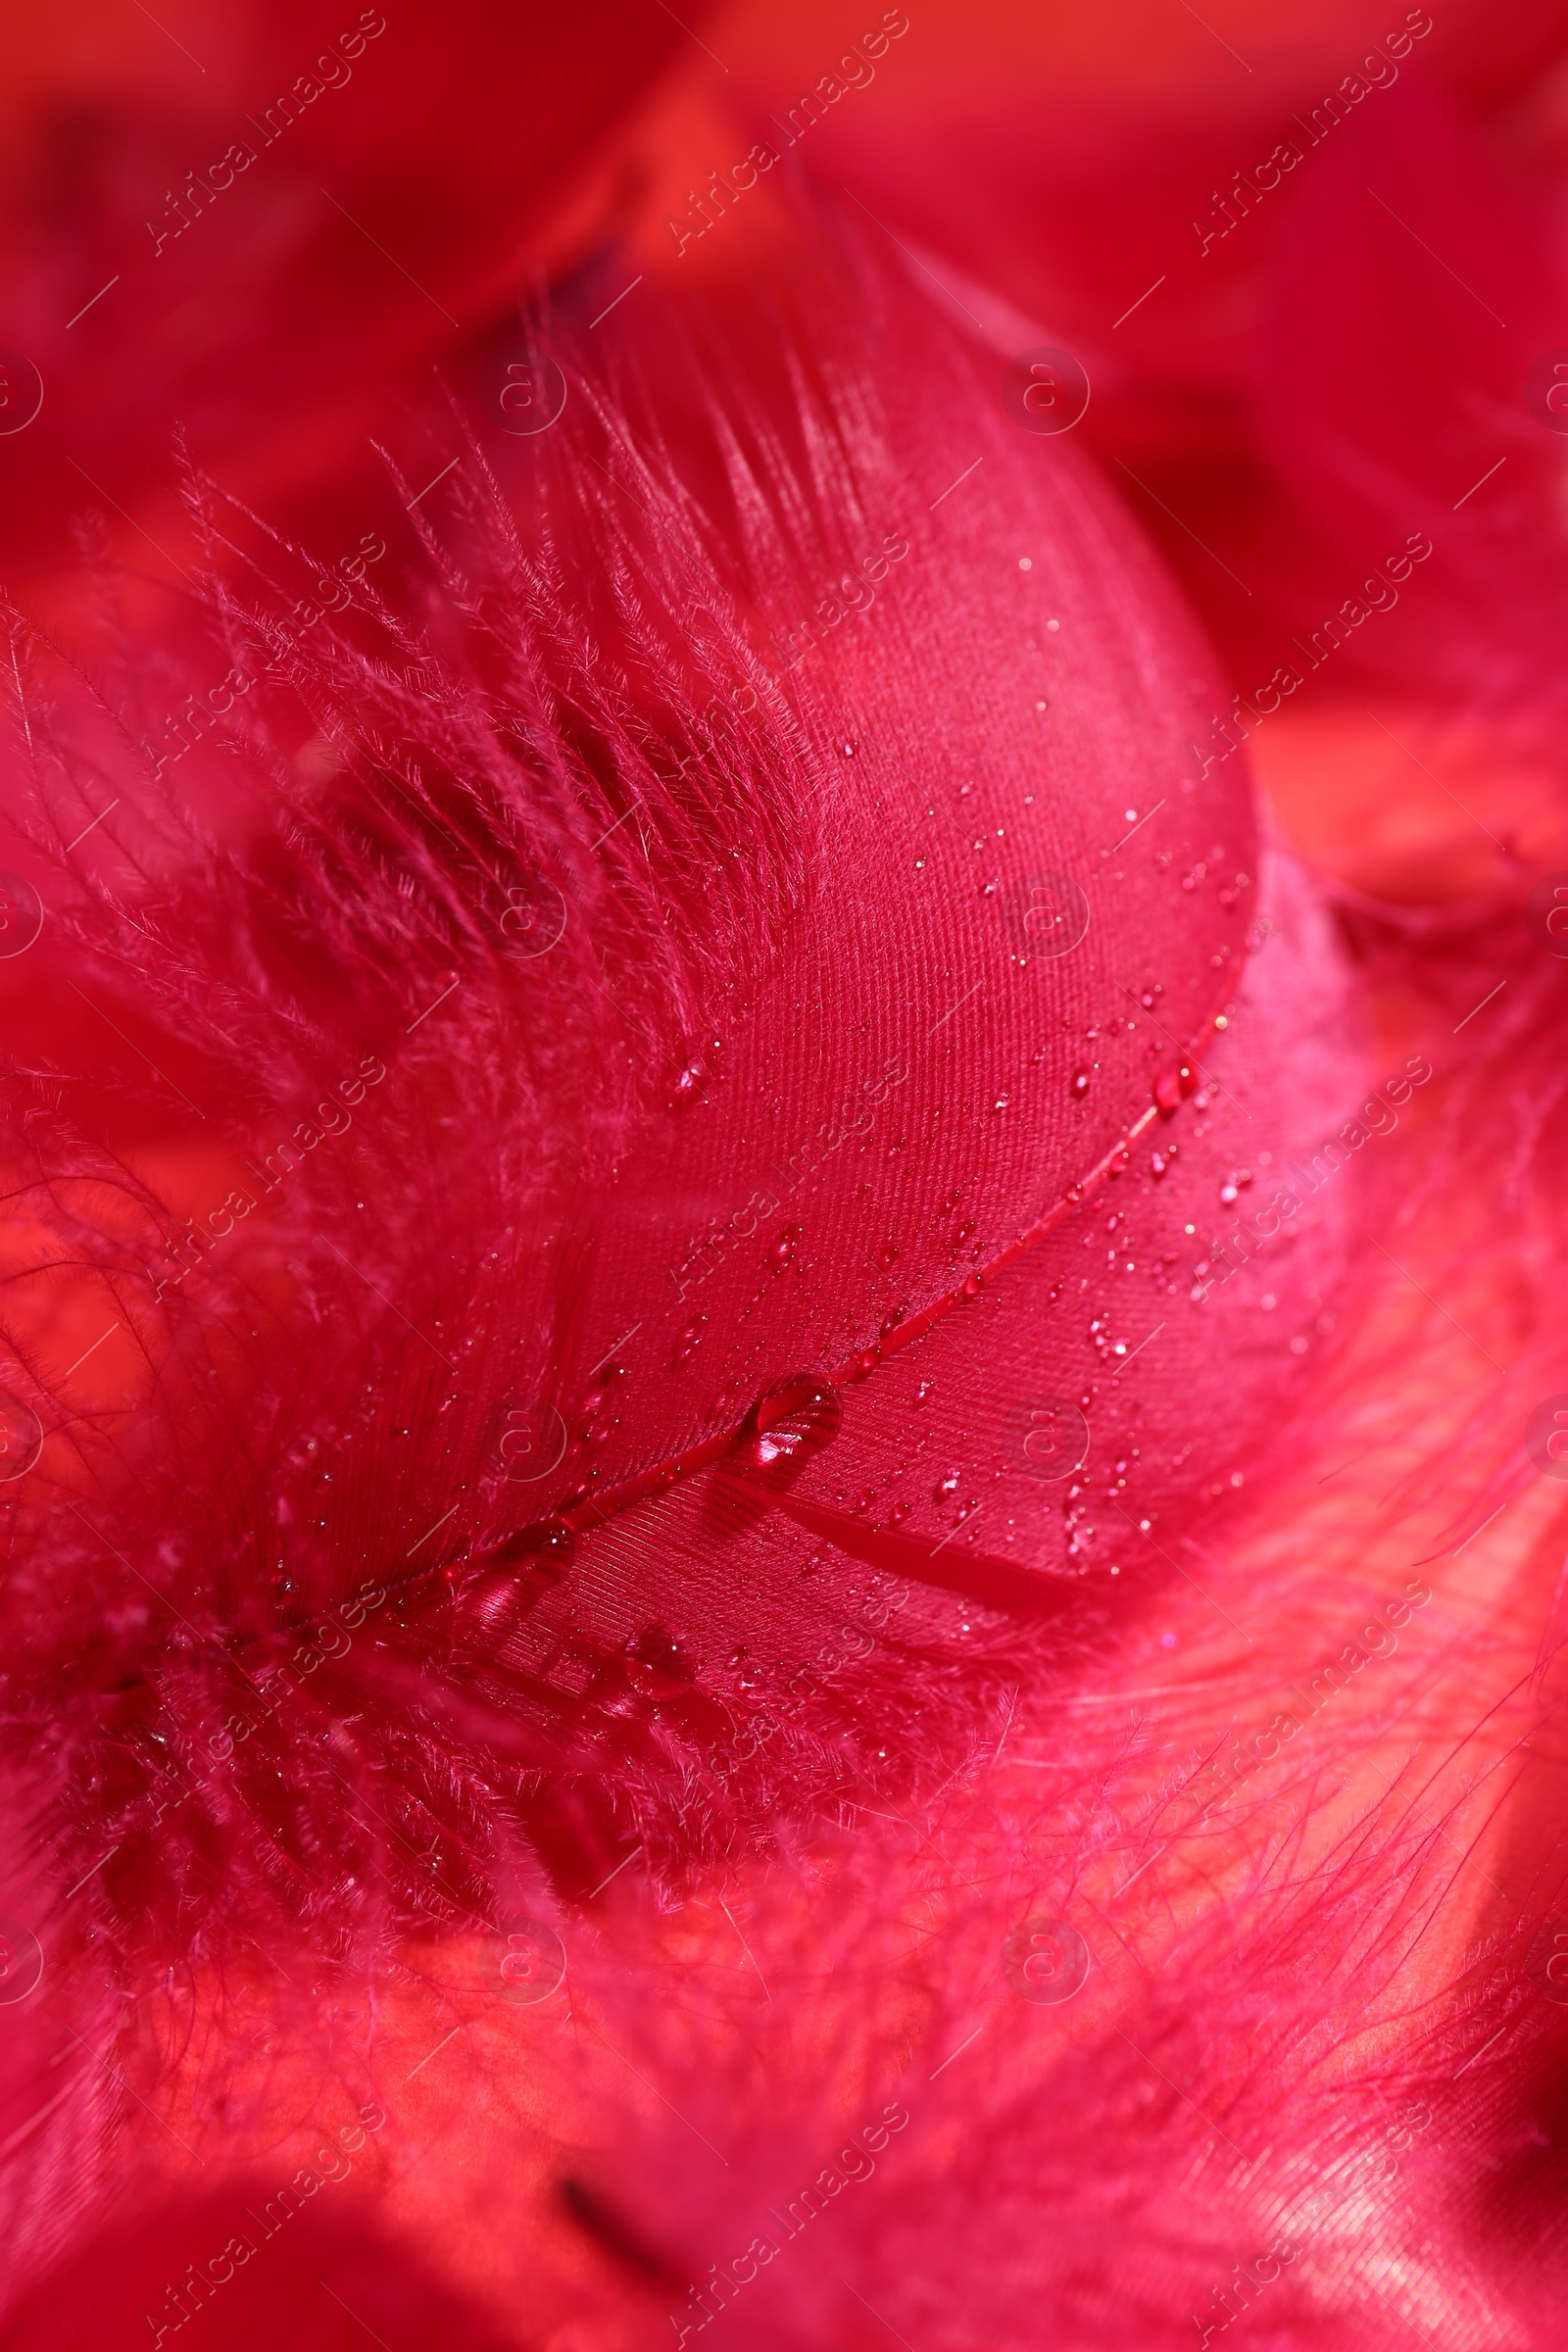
(548, 1543)
(689, 1084)
(658, 1664)
(786, 1427)
(501, 1587)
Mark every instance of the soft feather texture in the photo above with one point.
(305, 1403)
(253, 1863)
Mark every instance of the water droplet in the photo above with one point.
(689, 1085)
(549, 1541)
(970, 1286)
(787, 1426)
(1079, 1085)
(691, 1337)
(889, 1252)
(849, 746)
(783, 1249)
(949, 1485)
(658, 1664)
(499, 1589)
(1074, 1193)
